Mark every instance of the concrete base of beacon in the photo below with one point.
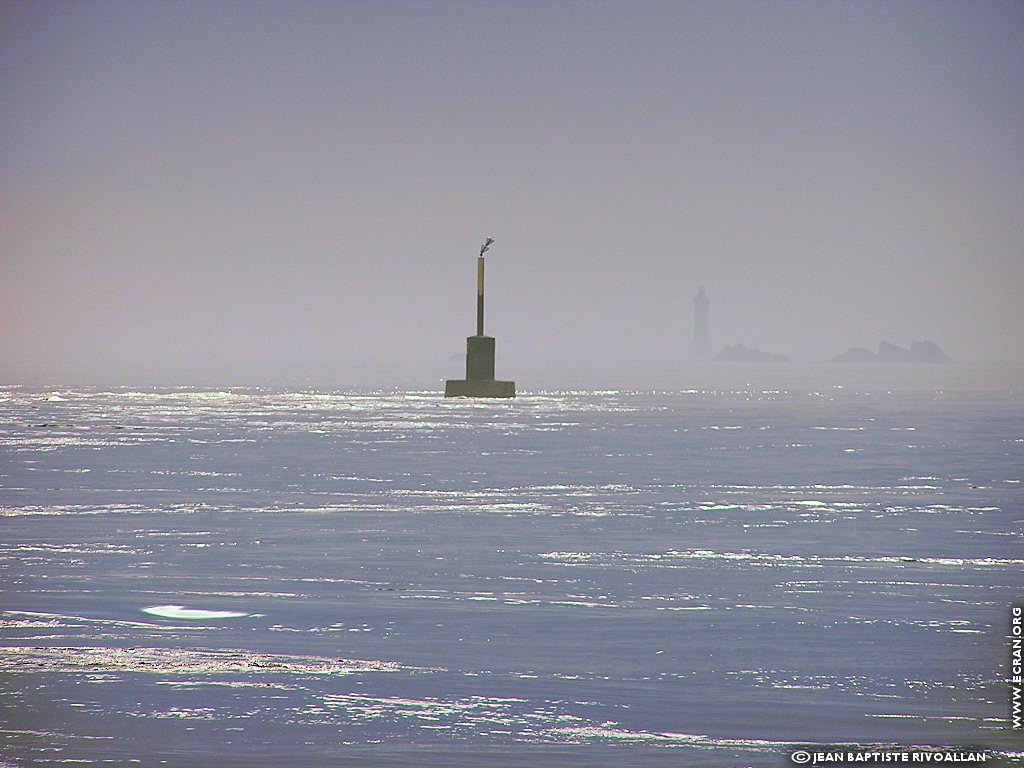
(479, 388)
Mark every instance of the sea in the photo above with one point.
(713, 575)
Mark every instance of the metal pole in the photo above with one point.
(480, 296)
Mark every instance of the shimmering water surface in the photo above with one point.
(255, 577)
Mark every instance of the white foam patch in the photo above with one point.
(181, 612)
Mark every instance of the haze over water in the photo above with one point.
(293, 194)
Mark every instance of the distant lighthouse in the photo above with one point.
(480, 381)
(701, 342)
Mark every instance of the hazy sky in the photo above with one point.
(259, 192)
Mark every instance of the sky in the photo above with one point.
(296, 192)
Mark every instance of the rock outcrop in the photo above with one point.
(919, 352)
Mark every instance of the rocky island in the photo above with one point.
(919, 352)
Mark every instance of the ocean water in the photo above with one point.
(704, 577)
